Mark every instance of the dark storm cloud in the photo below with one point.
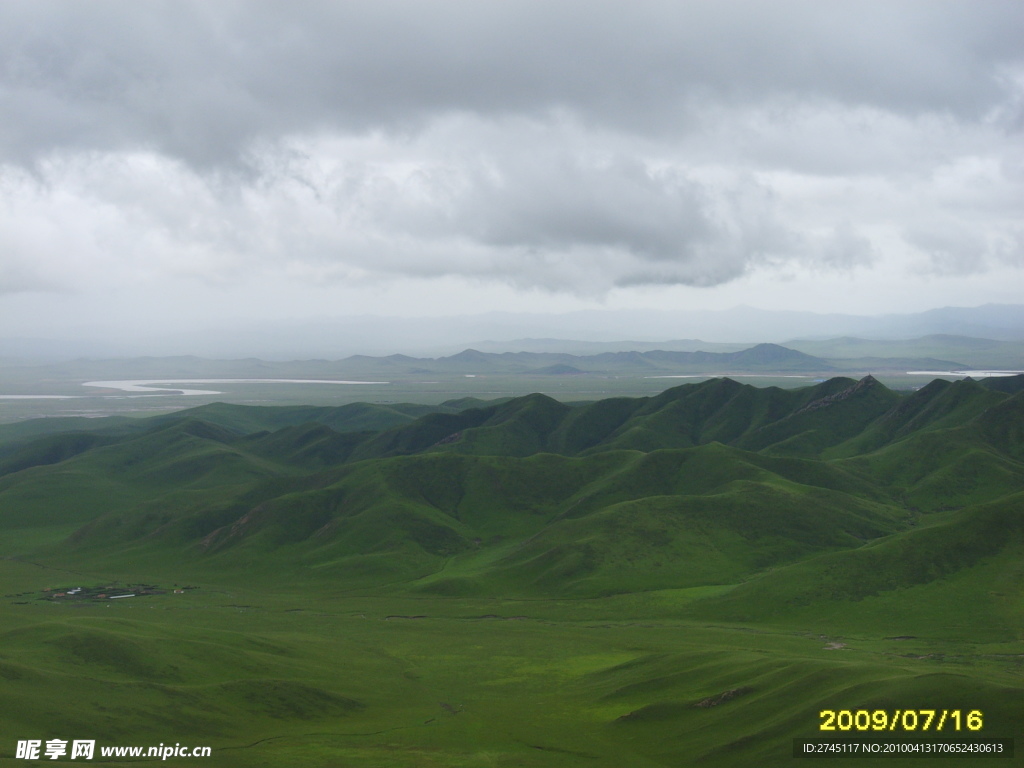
(201, 80)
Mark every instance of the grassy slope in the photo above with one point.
(354, 417)
(286, 678)
(576, 609)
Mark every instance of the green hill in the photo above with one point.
(655, 470)
(689, 578)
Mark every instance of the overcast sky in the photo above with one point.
(177, 164)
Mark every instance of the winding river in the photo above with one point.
(147, 386)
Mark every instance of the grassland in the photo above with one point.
(273, 677)
(683, 579)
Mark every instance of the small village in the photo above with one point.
(115, 591)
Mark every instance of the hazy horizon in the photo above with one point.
(335, 338)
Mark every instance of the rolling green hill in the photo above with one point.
(945, 446)
(688, 578)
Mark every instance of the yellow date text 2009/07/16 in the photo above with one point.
(900, 720)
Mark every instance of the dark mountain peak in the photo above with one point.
(204, 430)
(532, 400)
(968, 383)
(468, 356)
(723, 383)
(916, 400)
(935, 385)
(1008, 384)
(773, 353)
(462, 403)
(869, 382)
(718, 383)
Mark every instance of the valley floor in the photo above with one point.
(278, 677)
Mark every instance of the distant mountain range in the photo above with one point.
(804, 357)
(761, 357)
(333, 338)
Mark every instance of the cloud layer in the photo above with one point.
(569, 147)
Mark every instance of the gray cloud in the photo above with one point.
(570, 147)
(555, 200)
(201, 81)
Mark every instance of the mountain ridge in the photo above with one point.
(511, 488)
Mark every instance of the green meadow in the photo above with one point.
(688, 578)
